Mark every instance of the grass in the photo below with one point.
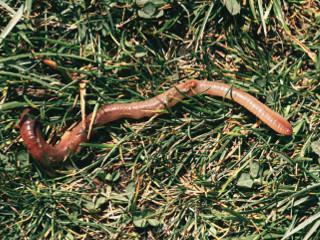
(205, 170)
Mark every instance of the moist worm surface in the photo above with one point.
(48, 155)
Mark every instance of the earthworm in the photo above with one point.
(48, 155)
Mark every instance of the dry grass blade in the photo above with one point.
(7, 7)
(302, 225)
(12, 23)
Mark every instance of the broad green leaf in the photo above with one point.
(23, 158)
(141, 3)
(316, 147)
(109, 177)
(130, 190)
(254, 169)
(140, 222)
(232, 6)
(100, 201)
(91, 207)
(69, 236)
(158, 3)
(149, 9)
(154, 222)
(245, 181)
(100, 173)
(116, 176)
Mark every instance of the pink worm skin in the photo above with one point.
(48, 155)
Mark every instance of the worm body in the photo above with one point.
(48, 155)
